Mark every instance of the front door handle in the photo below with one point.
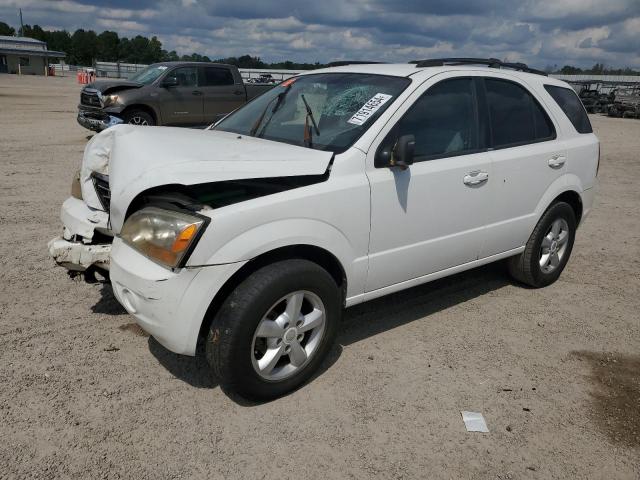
(196, 92)
(238, 92)
(557, 161)
(475, 178)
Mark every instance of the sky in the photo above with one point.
(538, 32)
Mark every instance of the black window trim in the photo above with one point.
(562, 109)
(487, 116)
(202, 75)
(479, 122)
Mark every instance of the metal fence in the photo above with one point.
(125, 70)
(619, 79)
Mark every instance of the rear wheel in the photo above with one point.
(273, 331)
(139, 117)
(548, 249)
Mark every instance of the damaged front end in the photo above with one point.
(161, 165)
(85, 244)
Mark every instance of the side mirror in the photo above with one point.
(170, 82)
(403, 152)
(400, 155)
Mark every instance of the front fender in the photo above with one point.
(270, 236)
(264, 238)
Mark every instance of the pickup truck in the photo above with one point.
(246, 240)
(170, 93)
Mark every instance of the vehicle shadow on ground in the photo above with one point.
(361, 321)
(391, 311)
(108, 304)
(193, 370)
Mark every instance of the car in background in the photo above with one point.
(170, 93)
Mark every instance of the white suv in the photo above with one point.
(248, 239)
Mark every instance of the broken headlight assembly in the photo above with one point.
(108, 100)
(165, 236)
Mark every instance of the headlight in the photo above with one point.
(165, 236)
(108, 100)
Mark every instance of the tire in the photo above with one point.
(139, 117)
(526, 267)
(237, 349)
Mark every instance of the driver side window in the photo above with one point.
(443, 121)
(187, 76)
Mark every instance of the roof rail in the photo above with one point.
(342, 63)
(490, 62)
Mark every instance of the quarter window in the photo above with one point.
(443, 121)
(516, 117)
(217, 76)
(571, 105)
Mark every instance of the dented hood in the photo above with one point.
(111, 86)
(139, 158)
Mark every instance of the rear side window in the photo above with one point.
(571, 105)
(217, 76)
(516, 117)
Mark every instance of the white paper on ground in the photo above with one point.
(474, 422)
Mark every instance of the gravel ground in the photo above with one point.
(86, 394)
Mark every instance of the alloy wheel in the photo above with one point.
(288, 335)
(136, 120)
(554, 245)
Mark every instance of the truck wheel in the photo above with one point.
(138, 117)
(548, 248)
(273, 331)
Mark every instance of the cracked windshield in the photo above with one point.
(322, 111)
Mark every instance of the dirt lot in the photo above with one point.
(85, 394)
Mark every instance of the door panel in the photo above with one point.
(432, 215)
(522, 173)
(181, 104)
(425, 218)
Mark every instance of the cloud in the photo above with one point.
(538, 32)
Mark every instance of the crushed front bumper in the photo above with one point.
(79, 257)
(86, 239)
(97, 121)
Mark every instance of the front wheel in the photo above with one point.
(139, 117)
(273, 331)
(548, 248)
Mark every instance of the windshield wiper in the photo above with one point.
(279, 98)
(308, 139)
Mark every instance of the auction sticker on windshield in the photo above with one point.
(369, 108)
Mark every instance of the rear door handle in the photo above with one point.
(238, 92)
(196, 92)
(557, 161)
(477, 177)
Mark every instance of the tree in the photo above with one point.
(35, 32)
(195, 57)
(84, 47)
(569, 70)
(60, 41)
(107, 48)
(171, 56)
(7, 29)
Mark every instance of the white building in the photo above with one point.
(25, 55)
